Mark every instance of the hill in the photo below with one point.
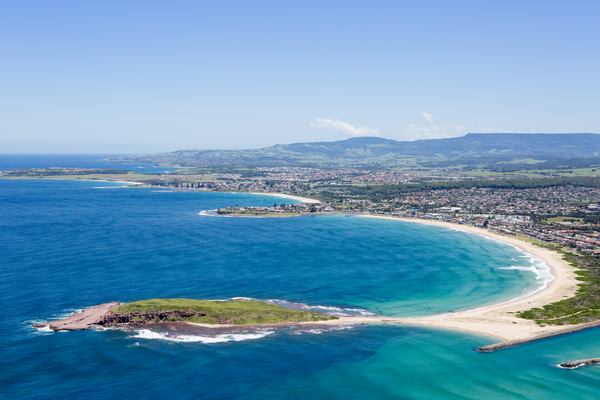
(386, 153)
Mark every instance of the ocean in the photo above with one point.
(18, 161)
(68, 245)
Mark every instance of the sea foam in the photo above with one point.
(228, 337)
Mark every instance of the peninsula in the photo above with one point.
(139, 313)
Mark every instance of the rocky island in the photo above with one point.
(139, 313)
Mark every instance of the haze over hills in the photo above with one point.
(386, 153)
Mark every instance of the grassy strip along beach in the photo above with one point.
(509, 321)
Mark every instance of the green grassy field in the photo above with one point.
(225, 312)
(563, 219)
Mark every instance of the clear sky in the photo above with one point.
(146, 76)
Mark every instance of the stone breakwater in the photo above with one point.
(512, 343)
(579, 363)
(80, 320)
(137, 318)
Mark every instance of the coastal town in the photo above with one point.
(557, 215)
(566, 216)
(341, 200)
(560, 213)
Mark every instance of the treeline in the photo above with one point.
(515, 163)
(582, 181)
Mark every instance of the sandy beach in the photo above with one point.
(497, 320)
(128, 182)
(302, 199)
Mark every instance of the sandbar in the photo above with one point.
(288, 196)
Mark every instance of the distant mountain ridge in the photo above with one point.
(374, 151)
(472, 144)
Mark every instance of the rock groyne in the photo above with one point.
(579, 363)
(512, 343)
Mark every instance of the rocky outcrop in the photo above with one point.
(101, 315)
(143, 318)
(579, 363)
(512, 343)
(80, 321)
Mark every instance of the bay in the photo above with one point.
(68, 245)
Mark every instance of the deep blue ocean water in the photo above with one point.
(68, 245)
(18, 161)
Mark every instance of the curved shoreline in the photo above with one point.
(288, 196)
(496, 320)
(499, 320)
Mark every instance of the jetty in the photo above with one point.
(516, 342)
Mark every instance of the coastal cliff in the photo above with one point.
(142, 318)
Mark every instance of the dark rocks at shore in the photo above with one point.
(579, 363)
(101, 315)
(143, 318)
(512, 343)
(81, 320)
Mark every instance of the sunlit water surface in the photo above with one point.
(68, 245)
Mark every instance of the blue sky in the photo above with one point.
(146, 76)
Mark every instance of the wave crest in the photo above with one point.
(227, 337)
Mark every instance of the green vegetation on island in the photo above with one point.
(86, 174)
(238, 312)
(46, 172)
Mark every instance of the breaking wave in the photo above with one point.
(329, 310)
(328, 328)
(227, 337)
(542, 271)
(208, 213)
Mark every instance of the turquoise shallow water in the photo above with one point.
(67, 245)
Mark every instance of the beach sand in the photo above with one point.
(301, 199)
(497, 320)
